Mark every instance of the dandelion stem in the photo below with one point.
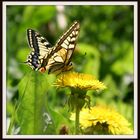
(77, 119)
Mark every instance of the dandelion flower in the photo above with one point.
(99, 115)
(79, 84)
(79, 81)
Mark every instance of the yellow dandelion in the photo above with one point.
(99, 115)
(79, 84)
(79, 81)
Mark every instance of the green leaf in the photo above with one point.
(32, 91)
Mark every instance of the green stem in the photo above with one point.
(77, 119)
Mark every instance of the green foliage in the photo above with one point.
(104, 49)
(32, 103)
(33, 111)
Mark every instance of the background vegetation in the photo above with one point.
(104, 49)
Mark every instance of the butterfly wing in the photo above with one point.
(68, 38)
(40, 49)
(64, 48)
(57, 61)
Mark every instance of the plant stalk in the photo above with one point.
(77, 119)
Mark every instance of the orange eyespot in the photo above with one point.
(42, 69)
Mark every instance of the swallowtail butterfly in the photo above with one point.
(55, 59)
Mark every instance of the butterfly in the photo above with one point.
(55, 59)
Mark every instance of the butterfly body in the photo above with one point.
(55, 59)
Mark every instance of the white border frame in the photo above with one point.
(135, 4)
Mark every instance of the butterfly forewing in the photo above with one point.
(40, 48)
(64, 50)
(69, 37)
